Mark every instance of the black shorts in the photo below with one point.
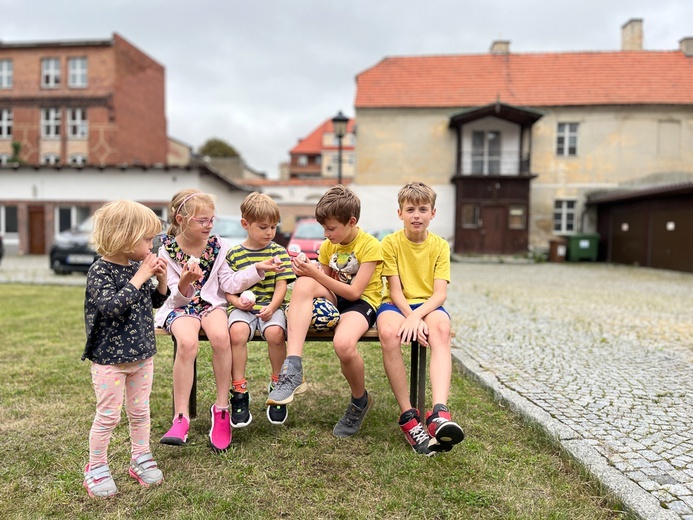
(360, 306)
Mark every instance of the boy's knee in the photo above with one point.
(274, 336)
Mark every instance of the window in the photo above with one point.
(50, 122)
(486, 152)
(5, 123)
(77, 123)
(50, 72)
(77, 159)
(77, 72)
(302, 160)
(8, 219)
(470, 216)
(566, 139)
(50, 159)
(68, 217)
(564, 216)
(517, 217)
(5, 74)
(4, 159)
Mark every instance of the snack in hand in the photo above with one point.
(302, 257)
(276, 260)
(247, 297)
(193, 260)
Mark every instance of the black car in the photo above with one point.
(2, 249)
(72, 252)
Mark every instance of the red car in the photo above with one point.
(307, 237)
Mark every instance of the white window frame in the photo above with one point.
(6, 121)
(50, 159)
(6, 74)
(77, 72)
(78, 214)
(4, 159)
(77, 159)
(563, 209)
(567, 139)
(302, 160)
(50, 123)
(50, 72)
(77, 124)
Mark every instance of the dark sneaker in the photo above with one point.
(290, 382)
(240, 409)
(443, 431)
(351, 421)
(177, 435)
(276, 413)
(416, 434)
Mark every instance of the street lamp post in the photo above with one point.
(339, 127)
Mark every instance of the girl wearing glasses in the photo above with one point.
(199, 277)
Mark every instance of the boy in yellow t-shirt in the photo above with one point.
(349, 276)
(416, 265)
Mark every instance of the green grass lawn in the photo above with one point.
(503, 470)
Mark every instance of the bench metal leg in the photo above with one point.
(192, 400)
(417, 377)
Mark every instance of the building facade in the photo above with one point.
(514, 143)
(98, 102)
(317, 156)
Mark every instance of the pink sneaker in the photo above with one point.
(443, 431)
(220, 432)
(178, 434)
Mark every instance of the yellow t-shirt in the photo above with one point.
(345, 260)
(417, 265)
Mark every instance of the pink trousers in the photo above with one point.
(115, 385)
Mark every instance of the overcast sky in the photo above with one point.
(260, 74)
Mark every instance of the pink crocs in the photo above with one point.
(178, 434)
(220, 432)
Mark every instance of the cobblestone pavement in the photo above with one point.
(600, 356)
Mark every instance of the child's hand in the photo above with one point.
(265, 313)
(191, 273)
(149, 266)
(270, 265)
(304, 268)
(239, 303)
(413, 328)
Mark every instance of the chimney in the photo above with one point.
(631, 35)
(500, 47)
(687, 46)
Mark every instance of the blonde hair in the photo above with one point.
(416, 193)
(119, 225)
(186, 203)
(340, 204)
(258, 207)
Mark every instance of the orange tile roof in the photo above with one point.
(549, 79)
(313, 143)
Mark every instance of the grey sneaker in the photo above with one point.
(291, 381)
(145, 471)
(351, 421)
(99, 482)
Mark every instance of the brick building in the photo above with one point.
(96, 102)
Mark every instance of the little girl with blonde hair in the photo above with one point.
(199, 278)
(118, 313)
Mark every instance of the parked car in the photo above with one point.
(71, 251)
(229, 228)
(2, 249)
(307, 237)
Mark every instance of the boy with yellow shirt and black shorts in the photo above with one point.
(349, 276)
(416, 265)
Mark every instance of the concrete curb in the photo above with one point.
(636, 500)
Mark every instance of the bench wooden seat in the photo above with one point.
(417, 378)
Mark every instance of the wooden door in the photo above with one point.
(37, 230)
(493, 225)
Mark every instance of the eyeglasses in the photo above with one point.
(204, 222)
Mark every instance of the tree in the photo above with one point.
(217, 148)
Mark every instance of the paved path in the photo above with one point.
(600, 356)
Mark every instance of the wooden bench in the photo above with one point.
(417, 379)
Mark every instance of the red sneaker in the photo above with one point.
(443, 431)
(416, 434)
(220, 432)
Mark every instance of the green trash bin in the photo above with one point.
(583, 247)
